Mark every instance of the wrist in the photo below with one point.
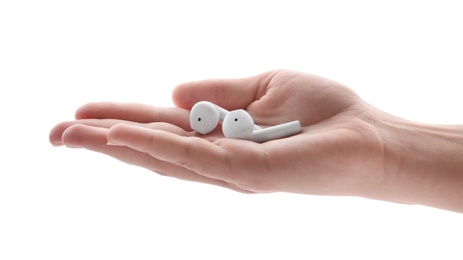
(423, 163)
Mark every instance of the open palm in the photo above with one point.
(339, 151)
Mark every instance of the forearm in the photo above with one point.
(424, 163)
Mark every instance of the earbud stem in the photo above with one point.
(222, 112)
(275, 132)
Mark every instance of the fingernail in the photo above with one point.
(72, 146)
(114, 144)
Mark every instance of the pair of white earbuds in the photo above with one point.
(237, 124)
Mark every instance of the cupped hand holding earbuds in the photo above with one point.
(346, 147)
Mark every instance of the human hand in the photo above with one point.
(339, 151)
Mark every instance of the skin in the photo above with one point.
(347, 147)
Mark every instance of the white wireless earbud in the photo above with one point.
(238, 124)
(205, 116)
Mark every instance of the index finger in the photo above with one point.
(134, 112)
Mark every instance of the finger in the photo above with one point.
(134, 112)
(56, 132)
(192, 153)
(94, 139)
(228, 93)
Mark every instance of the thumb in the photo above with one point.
(228, 93)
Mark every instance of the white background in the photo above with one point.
(404, 57)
